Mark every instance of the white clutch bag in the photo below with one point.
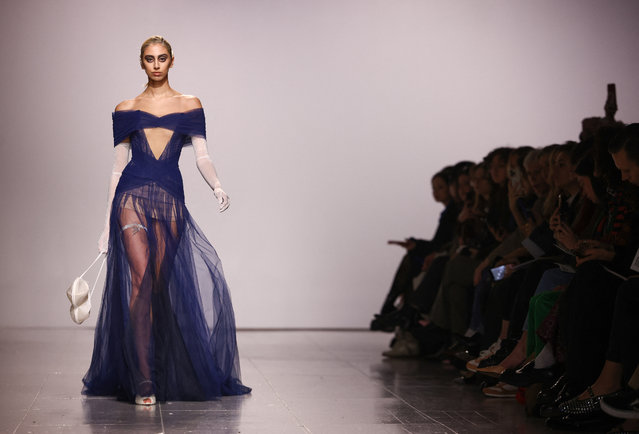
(80, 296)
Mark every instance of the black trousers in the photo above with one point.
(585, 316)
(624, 334)
(424, 295)
(408, 269)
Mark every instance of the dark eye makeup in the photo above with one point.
(162, 58)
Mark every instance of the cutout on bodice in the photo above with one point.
(157, 139)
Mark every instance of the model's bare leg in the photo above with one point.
(136, 244)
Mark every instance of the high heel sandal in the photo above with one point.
(145, 387)
(145, 400)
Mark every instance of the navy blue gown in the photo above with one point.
(166, 323)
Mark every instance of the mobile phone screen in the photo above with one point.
(498, 272)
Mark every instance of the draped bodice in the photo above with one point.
(155, 156)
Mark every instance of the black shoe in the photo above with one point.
(528, 375)
(566, 393)
(623, 404)
(461, 358)
(549, 394)
(468, 346)
(403, 318)
(378, 324)
(432, 339)
(582, 407)
(599, 422)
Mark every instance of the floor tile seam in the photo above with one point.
(401, 424)
(279, 398)
(399, 398)
(421, 413)
(466, 420)
(30, 405)
(459, 415)
(484, 417)
(161, 418)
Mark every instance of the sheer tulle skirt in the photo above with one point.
(166, 323)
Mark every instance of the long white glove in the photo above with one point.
(120, 160)
(207, 170)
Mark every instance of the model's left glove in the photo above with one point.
(207, 170)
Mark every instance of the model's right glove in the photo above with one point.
(120, 160)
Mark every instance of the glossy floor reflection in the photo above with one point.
(303, 382)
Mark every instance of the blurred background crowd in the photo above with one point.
(530, 284)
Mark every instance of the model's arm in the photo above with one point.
(120, 160)
(207, 170)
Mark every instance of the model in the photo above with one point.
(166, 328)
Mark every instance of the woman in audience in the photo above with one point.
(416, 252)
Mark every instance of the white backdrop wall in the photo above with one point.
(326, 120)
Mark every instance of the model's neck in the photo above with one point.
(158, 89)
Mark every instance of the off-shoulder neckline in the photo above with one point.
(156, 116)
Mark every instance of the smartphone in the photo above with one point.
(563, 207)
(498, 272)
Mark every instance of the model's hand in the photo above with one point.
(222, 198)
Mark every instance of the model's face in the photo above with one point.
(629, 169)
(156, 62)
(441, 192)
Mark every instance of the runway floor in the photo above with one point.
(303, 382)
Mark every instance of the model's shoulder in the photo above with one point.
(128, 104)
(190, 102)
